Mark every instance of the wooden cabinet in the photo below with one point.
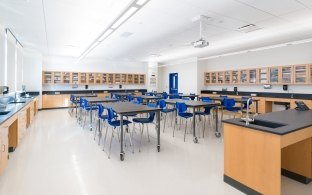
(214, 78)
(123, 78)
(136, 79)
(244, 77)
(142, 79)
(22, 122)
(66, 77)
(110, 79)
(227, 77)
(300, 74)
(91, 78)
(263, 76)
(130, 79)
(274, 75)
(117, 79)
(310, 70)
(220, 77)
(252, 76)
(55, 101)
(104, 78)
(4, 146)
(98, 78)
(57, 77)
(286, 74)
(47, 77)
(207, 78)
(83, 78)
(235, 77)
(75, 78)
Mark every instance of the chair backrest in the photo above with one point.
(81, 102)
(130, 98)
(85, 103)
(165, 95)
(110, 115)
(192, 98)
(140, 99)
(100, 110)
(229, 103)
(162, 104)
(151, 114)
(72, 97)
(206, 99)
(181, 107)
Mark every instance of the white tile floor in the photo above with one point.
(58, 157)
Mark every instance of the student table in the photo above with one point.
(185, 95)
(124, 108)
(194, 105)
(123, 96)
(239, 100)
(149, 98)
(80, 95)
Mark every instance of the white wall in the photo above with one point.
(289, 55)
(32, 70)
(151, 76)
(2, 54)
(187, 72)
(70, 64)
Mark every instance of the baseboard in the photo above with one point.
(296, 176)
(241, 187)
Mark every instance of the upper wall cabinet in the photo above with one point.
(83, 78)
(290, 74)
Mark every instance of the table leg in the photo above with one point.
(158, 130)
(257, 107)
(91, 116)
(122, 153)
(195, 139)
(217, 133)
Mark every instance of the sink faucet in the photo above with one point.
(247, 119)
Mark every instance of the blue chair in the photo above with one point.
(146, 121)
(165, 95)
(139, 100)
(113, 122)
(149, 94)
(87, 110)
(165, 110)
(182, 114)
(101, 118)
(130, 98)
(73, 104)
(192, 98)
(205, 113)
(229, 105)
(185, 98)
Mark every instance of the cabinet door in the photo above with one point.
(4, 146)
(207, 78)
(310, 73)
(57, 77)
(141, 79)
(83, 78)
(47, 77)
(252, 76)
(66, 77)
(117, 78)
(286, 74)
(235, 77)
(130, 78)
(274, 75)
(110, 78)
(244, 76)
(75, 78)
(136, 79)
(227, 77)
(91, 79)
(301, 74)
(263, 76)
(98, 78)
(124, 78)
(104, 78)
(220, 77)
(213, 77)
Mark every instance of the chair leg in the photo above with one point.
(130, 138)
(175, 124)
(104, 141)
(165, 122)
(185, 129)
(142, 128)
(110, 145)
(148, 137)
(204, 126)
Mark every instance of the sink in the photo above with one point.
(4, 112)
(17, 102)
(267, 124)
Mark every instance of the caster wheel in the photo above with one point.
(122, 156)
(195, 140)
(158, 148)
(218, 134)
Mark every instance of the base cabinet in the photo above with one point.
(4, 143)
(55, 101)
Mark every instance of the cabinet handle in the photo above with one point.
(3, 148)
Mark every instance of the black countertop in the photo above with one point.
(91, 91)
(14, 108)
(293, 120)
(261, 94)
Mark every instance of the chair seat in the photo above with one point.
(201, 113)
(186, 115)
(104, 117)
(141, 120)
(166, 110)
(234, 109)
(131, 115)
(117, 123)
(91, 108)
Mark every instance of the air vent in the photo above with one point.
(248, 28)
(126, 34)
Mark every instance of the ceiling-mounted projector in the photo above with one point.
(200, 43)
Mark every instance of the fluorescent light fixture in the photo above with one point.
(141, 2)
(125, 17)
(105, 35)
(130, 10)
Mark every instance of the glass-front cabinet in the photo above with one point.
(47, 77)
(220, 77)
(66, 77)
(130, 78)
(286, 74)
(207, 78)
(136, 79)
(110, 79)
(141, 79)
(124, 78)
(91, 78)
(263, 77)
(274, 74)
(75, 78)
(235, 77)
(252, 76)
(213, 77)
(83, 78)
(57, 77)
(310, 73)
(301, 74)
(227, 77)
(117, 78)
(244, 76)
(98, 78)
(104, 78)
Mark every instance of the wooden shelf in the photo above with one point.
(290, 74)
(84, 78)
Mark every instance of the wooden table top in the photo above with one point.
(100, 99)
(129, 107)
(191, 103)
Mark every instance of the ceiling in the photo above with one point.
(160, 31)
